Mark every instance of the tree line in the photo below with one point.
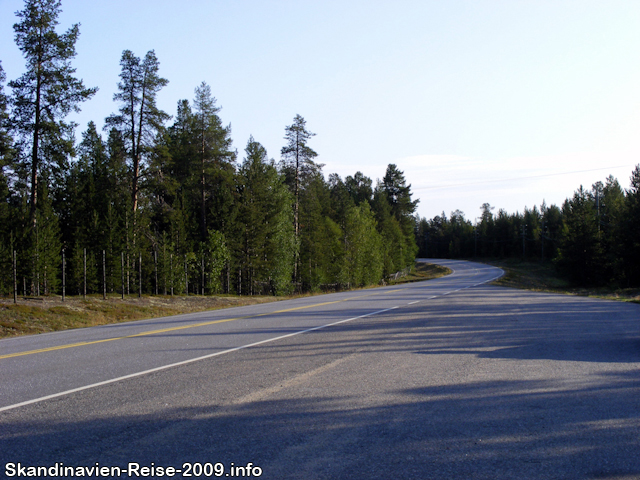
(593, 238)
(163, 204)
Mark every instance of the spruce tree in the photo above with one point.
(264, 240)
(359, 187)
(213, 142)
(581, 254)
(631, 229)
(88, 210)
(398, 195)
(611, 213)
(393, 241)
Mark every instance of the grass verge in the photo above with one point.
(50, 314)
(422, 271)
(542, 277)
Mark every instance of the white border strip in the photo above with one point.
(185, 362)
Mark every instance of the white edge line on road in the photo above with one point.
(411, 303)
(185, 362)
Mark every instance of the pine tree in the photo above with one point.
(139, 119)
(47, 92)
(6, 141)
(297, 162)
(6, 159)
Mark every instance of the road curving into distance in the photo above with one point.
(40, 366)
(449, 378)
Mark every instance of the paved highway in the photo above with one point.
(451, 378)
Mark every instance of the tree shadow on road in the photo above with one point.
(293, 409)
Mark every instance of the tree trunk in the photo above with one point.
(34, 151)
(203, 213)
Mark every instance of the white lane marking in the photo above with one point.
(490, 280)
(185, 362)
(411, 303)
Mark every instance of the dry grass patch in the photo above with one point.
(49, 314)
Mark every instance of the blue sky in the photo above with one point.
(506, 102)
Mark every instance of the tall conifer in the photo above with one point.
(47, 92)
(139, 119)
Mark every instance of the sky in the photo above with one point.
(510, 103)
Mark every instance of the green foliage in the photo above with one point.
(398, 193)
(284, 249)
(581, 253)
(264, 239)
(359, 188)
(215, 158)
(46, 248)
(46, 93)
(330, 269)
(217, 255)
(6, 141)
(139, 119)
(152, 209)
(611, 213)
(363, 247)
(314, 206)
(593, 239)
(398, 226)
(297, 164)
(630, 230)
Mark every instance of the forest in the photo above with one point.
(162, 204)
(593, 239)
(159, 203)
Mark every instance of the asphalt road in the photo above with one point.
(451, 378)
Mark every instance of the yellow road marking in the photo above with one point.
(301, 308)
(182, 327)
(151, 332)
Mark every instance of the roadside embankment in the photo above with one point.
(32, 315)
